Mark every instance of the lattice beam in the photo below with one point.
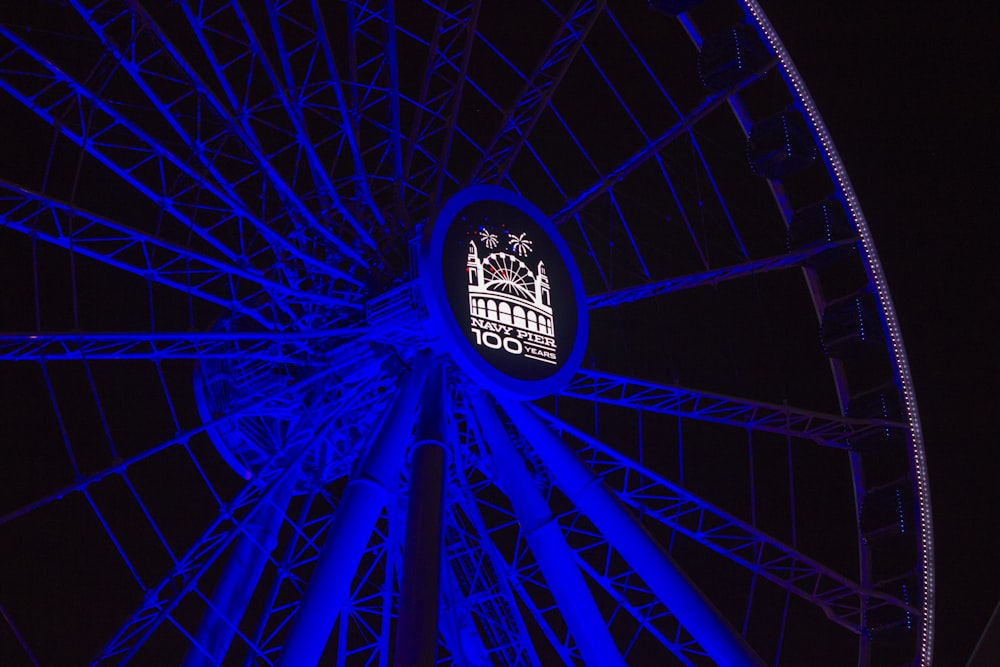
(215, 280)
(438, 102)
(285, 348)
(822, 428)
(652, 148)
(710, 277)
(538, 90)
(842, 600)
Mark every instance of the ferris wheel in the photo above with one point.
(264, 406)
(507, 273)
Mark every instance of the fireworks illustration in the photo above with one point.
(489, 238)
(520, 244)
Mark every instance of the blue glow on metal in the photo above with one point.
(363, 500)
(541, 530)
(636, 546)
(244, 566)
(297, 192)
(709, 277)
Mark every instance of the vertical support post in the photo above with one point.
(239, 579)
(638, 548)
(556, 560)
(420, 594)
(364, 498)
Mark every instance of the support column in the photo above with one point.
(634, 543)
(556, 560)
(420, 595)
(364, 499)
(239, 579)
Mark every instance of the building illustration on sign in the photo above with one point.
(510, 306)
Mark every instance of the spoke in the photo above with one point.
(652, 148)
(651, 615)
(312, 422)
(521, 118)
(329, 76)
(374, 93)
(651, 562)
(300, 551)
(169, 63)
(285, 348)
(481, 575)
(294, 99)
(160, 601)
(517, 571)
(842, 600)
(139, 158)
(47, 90)
(710, 277)
(218, 281)
(239, 114)
(244, 566)
(521, 576)
(360, 620)
(822, 428)
(486, 579)
(297, 140)
(586, 624)
(288, 399)
(624, 589)
(438, 102)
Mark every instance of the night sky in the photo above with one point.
(908, 91)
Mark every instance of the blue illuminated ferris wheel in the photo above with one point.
(473, 333)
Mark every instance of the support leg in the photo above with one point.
(416, 637)
(363, 500)
(239, 579)
(637, 547)
(557, 562)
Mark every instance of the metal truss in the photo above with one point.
(309, 426)
(219, 281)
(148, 57)
(711, 277)
(483, 595)
(233, 518)
(438, 103)
(821, 428)
(141, 159)
(284, 348)
(312, 79)
(623, 587)
(286, 400)
(524, 113)
(652, 496)
(373, 95)
(266, 173)
(652, 148)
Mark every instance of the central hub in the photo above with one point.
(504, 296)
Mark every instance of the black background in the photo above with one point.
(909, 93)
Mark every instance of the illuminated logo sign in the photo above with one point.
(504, 293)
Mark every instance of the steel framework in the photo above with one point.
(216, 349)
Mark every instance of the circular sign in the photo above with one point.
(504, 296)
